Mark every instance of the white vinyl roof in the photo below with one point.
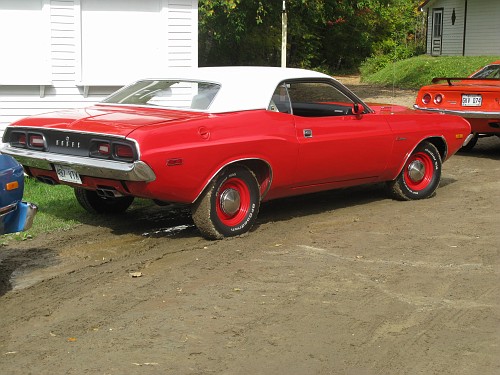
(242, 88)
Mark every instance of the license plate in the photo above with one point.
(469, 100)
(67, 174)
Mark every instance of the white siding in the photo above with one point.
(483, 28)
(452, 42)
(453, 34)
(86, 49)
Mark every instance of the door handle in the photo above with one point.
(308, 133)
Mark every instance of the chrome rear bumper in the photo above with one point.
(136, 171)
(465, 114)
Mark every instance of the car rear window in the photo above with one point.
(490, 71)
(167, 93)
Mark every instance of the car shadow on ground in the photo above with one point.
(147, 219)
(487, 148)
(150, 220)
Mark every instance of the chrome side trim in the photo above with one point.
(137, 171)
(4, 211)
(466, 114)
(467, 140)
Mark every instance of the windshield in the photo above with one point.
(490, 71)
(166, 93)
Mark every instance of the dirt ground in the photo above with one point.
(346, 282)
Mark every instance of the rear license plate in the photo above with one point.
(469, 100)
(67, 174)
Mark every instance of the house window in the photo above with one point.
(122, 41)
(25, 43)
(438, 24)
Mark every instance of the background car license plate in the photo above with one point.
(68, 174)
(469, 100)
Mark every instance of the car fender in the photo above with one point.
(260, 167)
(437, 140)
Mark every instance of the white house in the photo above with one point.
(462, 27)
(70, 53)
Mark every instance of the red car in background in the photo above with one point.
(476, 98)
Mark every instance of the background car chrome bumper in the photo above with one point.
(136, 171)
(468, 139)
(465, 114)
(17, 217)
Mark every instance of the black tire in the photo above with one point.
(420, 175)
(469, 146)
(96, 204)
(229, 205)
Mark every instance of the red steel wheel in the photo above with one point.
(420, 175)
(233, 202)
(418, 171)
(229, 205)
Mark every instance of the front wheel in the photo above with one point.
(94, 203)
(420, 176)
(229, 205)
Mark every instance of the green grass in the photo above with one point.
(57, 210)
(57, 206)
(418, 71)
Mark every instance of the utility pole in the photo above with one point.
(283, 35)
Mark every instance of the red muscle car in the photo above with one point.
(476, 98)
(225, 139)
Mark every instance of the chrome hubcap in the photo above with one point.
(230, 201)
(416, 170)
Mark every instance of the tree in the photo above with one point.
(328, 34)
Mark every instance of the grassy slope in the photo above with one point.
(419, 71)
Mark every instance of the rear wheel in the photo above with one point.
(96, 204)
(229, 205)
(420, 176)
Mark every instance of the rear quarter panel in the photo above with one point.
(205, 146)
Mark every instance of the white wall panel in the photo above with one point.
(66, 44)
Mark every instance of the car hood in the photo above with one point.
(390, 109)
(116, 120)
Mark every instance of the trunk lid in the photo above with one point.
(107, 119)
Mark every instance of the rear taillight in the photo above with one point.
(108, 149)
(104, 149)
(21, 140)
(426, 99)
(438, 99)
(36, 141)
(124, 152)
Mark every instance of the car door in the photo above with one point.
(336, 145)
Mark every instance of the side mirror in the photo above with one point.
(357, 109)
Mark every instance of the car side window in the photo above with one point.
(490, 71)
(280, 102)
(318, 99)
